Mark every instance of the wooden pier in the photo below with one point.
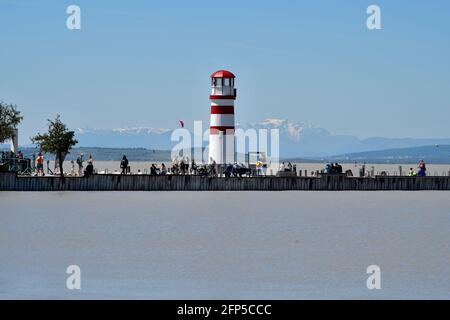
(114, 182)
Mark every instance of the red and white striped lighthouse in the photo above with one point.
(221, 136)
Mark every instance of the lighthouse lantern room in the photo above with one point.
(221, 136)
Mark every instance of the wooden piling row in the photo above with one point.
(113, 182)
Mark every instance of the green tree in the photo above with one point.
(58, 141)
(10, 118)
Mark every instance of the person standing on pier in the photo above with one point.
(90, 166)
(163, 169)
(289, 167)
(80, 164)
(422, 169)
(124, 165)
(193, 167)
(72, 171)
(40, 164)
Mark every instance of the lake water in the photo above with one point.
(225, 245)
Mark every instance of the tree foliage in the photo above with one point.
(10, 118)
(58, 140)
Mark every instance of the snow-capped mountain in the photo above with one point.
(297, 139)
(293, 129)
(306, 140)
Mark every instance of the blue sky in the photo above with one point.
(147, 63)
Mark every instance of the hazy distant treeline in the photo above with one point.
(109, 154)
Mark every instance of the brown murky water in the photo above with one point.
(236, 245)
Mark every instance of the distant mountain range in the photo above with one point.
(308, 141)
(437, 154)
(297, 140)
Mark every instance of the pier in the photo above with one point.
(113, 182)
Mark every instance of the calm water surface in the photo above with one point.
(225, 245)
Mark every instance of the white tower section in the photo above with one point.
(221, 136)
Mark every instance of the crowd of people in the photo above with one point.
(331, 168)
(422, 172)
(184, 166)
(237, 170)
(15, 162)
(79, 170)
(77, 166)
(179, 166)
(288, 167)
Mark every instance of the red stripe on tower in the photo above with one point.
(233, 97)
(222, 129)
(222, 109)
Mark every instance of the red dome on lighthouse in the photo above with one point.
(223, 74)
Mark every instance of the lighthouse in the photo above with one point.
(221, 134)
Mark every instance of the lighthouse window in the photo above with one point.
(226, 81)
(218, 81)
